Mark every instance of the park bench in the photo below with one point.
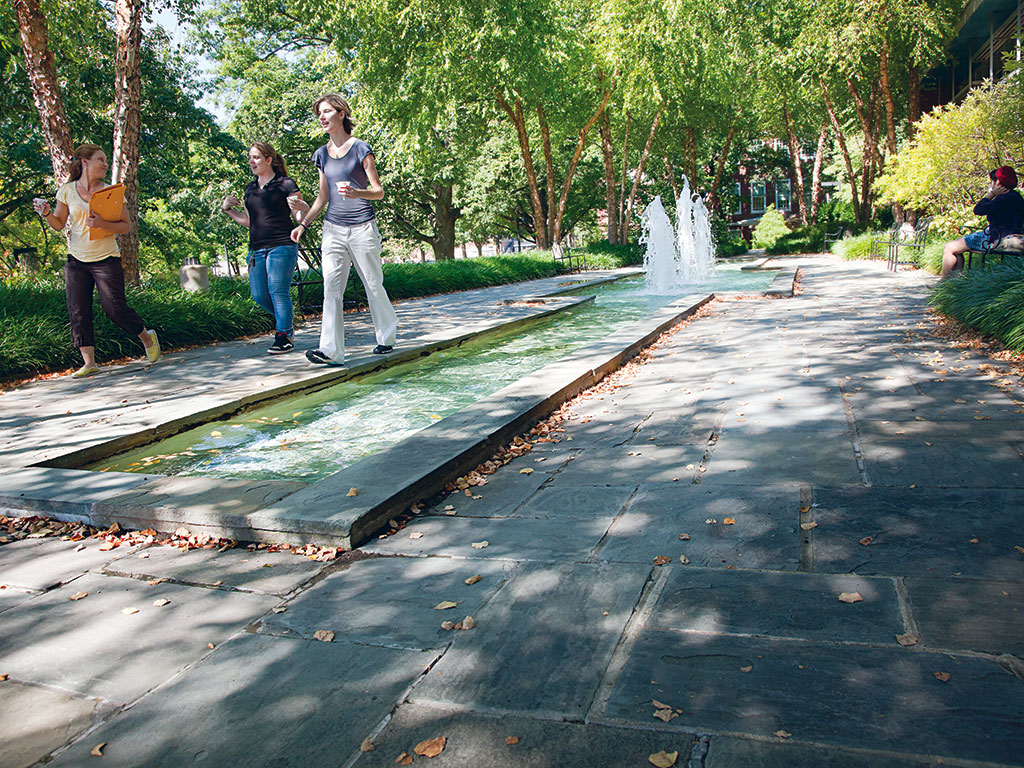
(914, 239)
(313, 274)
(878, 241)
(1012, 245)
(831, 237)
(568, 259)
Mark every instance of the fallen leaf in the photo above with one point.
(942, 676)
(665, 715)
(324, 636)
(974, 541)
(451, 512)
(217, 583)
(711, 521)
(404, 759)
(783, 734)
(366, 746)
(3, 677)
(663, 759)
(850, 597)
(746, 668)
(352, 492)
(1019, 549)
(866, 540)
(430, 747)
(416, 535)
(448, 508)
(474, 579)
(729, 521)
(804, 509)
(526, 471)
(808, 526)
(161, 602)
(684, 537)
(78, 595)
(467, 623)
(129, 611)
(684, 560)
(210, 646)
(480, 544)
(97, 751)
(280, 608)
(958, 400)
(659, 705)
(511, 740)
(907, 639)
(444, 605)
(662, 560)
(447, 626)
(215, 433)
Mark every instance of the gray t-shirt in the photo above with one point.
(346, 212)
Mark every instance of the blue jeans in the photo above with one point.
(270, 279)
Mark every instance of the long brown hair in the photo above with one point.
(338, 102)
(276, 161)
(82, 152)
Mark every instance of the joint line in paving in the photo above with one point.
(806, 512)
(851, 423)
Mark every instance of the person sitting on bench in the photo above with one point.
(1004, 208)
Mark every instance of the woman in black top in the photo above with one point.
(1003, 206)
(272, 254)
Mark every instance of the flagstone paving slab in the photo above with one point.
(273, 573)
(794, 605)
(972, 614)
(12, 596)
(630, 464)
(782, 456)
(765, 533)
(260, 701)
(480, 741)
(47, 490)
(942, 463)
(726, 752)
(35, 721)
(92, 647)
(392, 601)
(41, 564)
(576, 502)
(842, 695)
(541, 644)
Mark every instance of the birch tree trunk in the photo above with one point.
(519, 121)
(611, 200)
(816, 173)
(624, 230)
(716, 184)
(622, 186)
(549, 172)
(794, 158)
(127, 124)
(890, 102)
(851, 177)
(46, 93)
(581, 142)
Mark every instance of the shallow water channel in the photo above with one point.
(308, 437)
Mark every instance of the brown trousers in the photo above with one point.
(108, 277)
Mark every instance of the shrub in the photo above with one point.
(770, 228)
(804, 240)
(730, 245)
(858, 246)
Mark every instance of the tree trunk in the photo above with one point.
(850, 175)
(445, 216)
(497, 246)
(890, 102)
(914, 100)
(670, 176)
(42, 76)
(611, 201)
(622, 186)
(549, 173)
(691, 157)
(867, 123)
(127, 124)
(816, 173)
(519, 121)
(581, 142)
(624, 234)
(716, 184)
(794, 158)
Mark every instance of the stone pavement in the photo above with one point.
(775, 455)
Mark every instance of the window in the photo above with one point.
(783, 195)
(739, 199)
(757, 201)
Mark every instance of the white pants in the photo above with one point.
(343, 247)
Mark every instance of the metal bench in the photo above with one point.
(992, 250)
(915, 240)
(568, 259)
(313, 274)
(831, 237)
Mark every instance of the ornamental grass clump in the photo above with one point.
(990, 300)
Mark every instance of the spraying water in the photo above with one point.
(674, 260)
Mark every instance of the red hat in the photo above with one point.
(1006, 176)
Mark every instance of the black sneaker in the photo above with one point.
(281, 344)
(316, 357)
(382, 349)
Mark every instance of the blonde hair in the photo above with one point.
(82, 152)
(276, 161)
(338, 102)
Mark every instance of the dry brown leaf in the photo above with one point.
(129, 611)
(97, 751)
(665, 715)
(850, 597)
(866, 540)
(444, 605)
(511, 740)
(3, 677)
(662, 560)
(658, 705)
(783, 734)
(684, 537)
(1019, 549)
(324, 636)
(663, 759)
(210, 646)
(161, 602)
(747, 668)
(366, 746)
(729, 521)
(526, 471)
(430, 747)
(404, 759)
(908, 639)
(416, 535)
(808, 526)
(280, 608)
(474, 579)
(684, 560)
(942, 676)
(804, 509)
(78, 595)
(447, 626)
(480, 544)
(352, 492)
(466, 623)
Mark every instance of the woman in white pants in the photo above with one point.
(348, 182)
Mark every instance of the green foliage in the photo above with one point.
(730, 245)
(803, 240)
(856, 247)
(770, 228)
(990, 300)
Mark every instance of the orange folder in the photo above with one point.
(107, 203)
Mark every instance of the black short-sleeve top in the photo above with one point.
(270, 221)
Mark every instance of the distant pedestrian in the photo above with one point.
(272, 254)
(1004, 208)
(94, 258)
(348, 182)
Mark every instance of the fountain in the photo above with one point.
(684, 258)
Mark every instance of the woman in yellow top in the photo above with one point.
(93, 262)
